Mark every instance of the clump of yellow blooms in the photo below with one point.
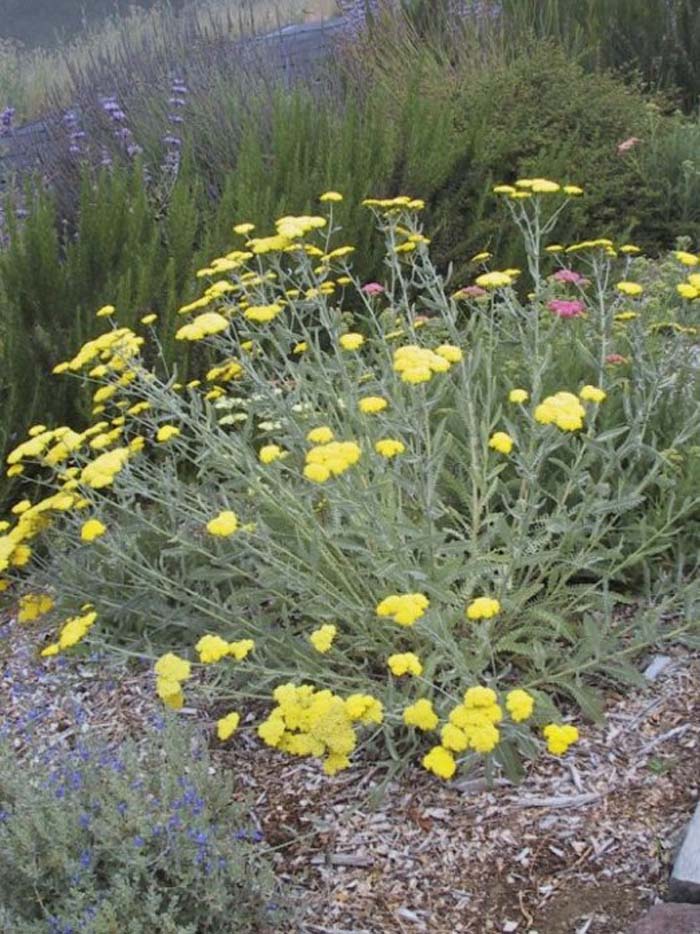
(351, 341)
(472, 725)
(269, 453)
(519, 705)
(483, 608)
(372, 405)
(405, 609)
(171, 671)
(167, 433)
(92, 529)
(204, 325)
(227, 726)
(418, 364)
(224, 524)
(440, 762)
(563, 410)
(593, 394)
(212, 648)
(560, 737)
(421, 715)
(322, 638)
(321, 435)
(502, 442)
(72, 632)
(494, 280)
(307, 722)
(324, 461)
(389, 447)
(32, 606)
(225, 372)
(404, 663)
(102, 471)
(263, 313)
(631, 289)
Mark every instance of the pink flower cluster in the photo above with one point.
(570, 276)
(566, 308)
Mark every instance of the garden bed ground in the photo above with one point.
(583, 846)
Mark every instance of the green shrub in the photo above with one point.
(540, 113)
(667, 163)
(660, 38)
(54, 278)
(140, 838)
(555, 525)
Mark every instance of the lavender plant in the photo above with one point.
(143, 837)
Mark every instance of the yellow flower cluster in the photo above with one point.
(563, 410)
(519, 705)
(405, 609)
(687, 259)
(212, 648)
(204, 325)
(227, 726)
(114, 349)
(171, 671)
(269, 453)
(404, 663)
(526, 187)
(261, 314)
(389, 447)
(472, 725)
(321, 435)
(72, 632)
(92, 529)
(421, 715)
(418, 364)
(307, 722)
(502, 442)
(494, 280)
(593, 394)
(372, 405)
(690, 289)
(102, 471)
(14, 550)
(225, 372)
(322, 638)
(351, 341)
(631, 289)
(330, 460)
(483, 608)
(224, 524)
(560, 737)
(34, 605)
(289, 229)
(390, 205)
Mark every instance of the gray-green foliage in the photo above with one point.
(134, 838)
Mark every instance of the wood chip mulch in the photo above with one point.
(582, 846)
